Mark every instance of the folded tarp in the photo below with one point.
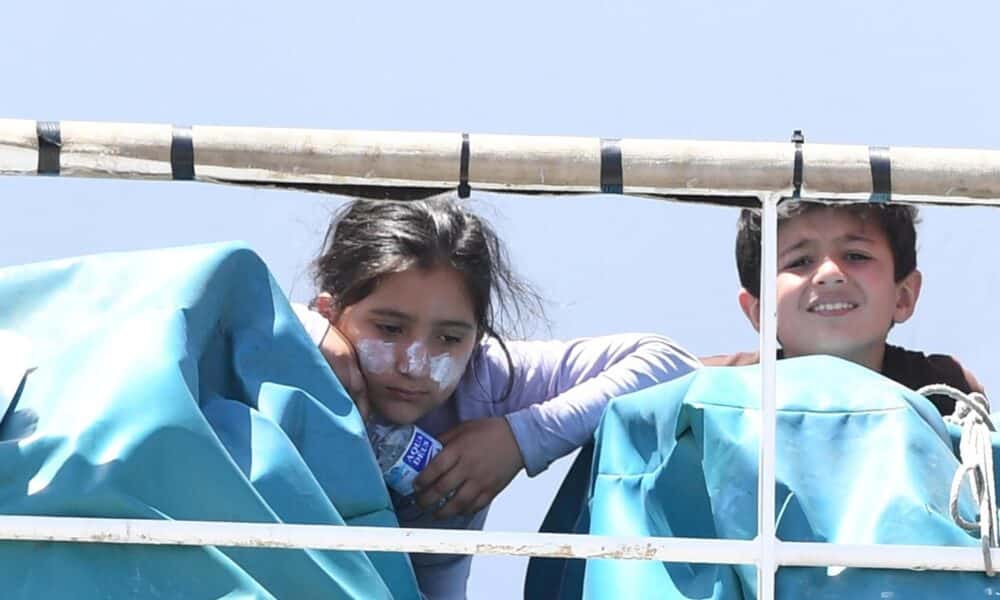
(178, 384)
(860, 460)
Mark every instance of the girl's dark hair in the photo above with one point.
(369, 239)
(898, 221)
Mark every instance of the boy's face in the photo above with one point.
(836, 291)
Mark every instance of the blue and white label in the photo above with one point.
(419, 452)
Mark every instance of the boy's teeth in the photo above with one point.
(832, 306)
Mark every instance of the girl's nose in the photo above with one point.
(828, 272)
(413, 360)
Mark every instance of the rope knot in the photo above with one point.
(975, 449)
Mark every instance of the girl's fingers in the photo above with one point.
(479, 504)
(361, 401)
(439, 478)
(457, 501)
(450, 484)
(357, 387)
(447, 436)
(340, 354)
(442, 463)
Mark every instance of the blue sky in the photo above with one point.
(914, 74)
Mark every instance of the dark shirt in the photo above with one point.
(916, 369)
(906, 367)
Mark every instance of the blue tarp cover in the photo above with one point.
(178, 384)
(860, 460)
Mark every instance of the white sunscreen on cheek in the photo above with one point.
(445, 370)
(416, 359)
(376, 356)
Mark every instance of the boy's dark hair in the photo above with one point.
(896, 220)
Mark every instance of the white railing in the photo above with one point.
(449, 541)
(767, 565)
(330, 160)
(720, 172)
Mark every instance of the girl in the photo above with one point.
(410, 300)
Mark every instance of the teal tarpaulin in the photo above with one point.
(860, 460)
(178, 384)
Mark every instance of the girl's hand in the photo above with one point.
(479, 459)
(339, 352)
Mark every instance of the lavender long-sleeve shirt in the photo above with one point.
(558, 391)
(559, 388)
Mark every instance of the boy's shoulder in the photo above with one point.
(737, 359)
(916, 369)
(911, 368)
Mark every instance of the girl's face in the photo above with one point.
(414, 336)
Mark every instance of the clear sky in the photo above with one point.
(913, 74)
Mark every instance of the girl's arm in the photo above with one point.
(558, 392)
(560, 389)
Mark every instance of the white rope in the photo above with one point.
(972, 414)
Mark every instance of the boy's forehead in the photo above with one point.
(831, 222)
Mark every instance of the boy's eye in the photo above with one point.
(798, 263)
(857, 257)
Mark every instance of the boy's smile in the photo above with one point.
(833, 309)
(835, 290)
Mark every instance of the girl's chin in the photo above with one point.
(400, 415)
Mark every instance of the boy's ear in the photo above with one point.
(907, 293)
(326, 306)
(751, 307)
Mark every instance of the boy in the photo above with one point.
(846, 274)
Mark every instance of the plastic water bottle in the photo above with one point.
(402, 451)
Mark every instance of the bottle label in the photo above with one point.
(419, 452)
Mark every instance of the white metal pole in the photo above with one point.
(331, 159)
(391, 539)
(767, 564)
(870, 556)
(377, 539)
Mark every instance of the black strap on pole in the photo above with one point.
(798, 139)
(49, 147)
(464, 190)
(182, 154)
(612, 179)
(881, 165)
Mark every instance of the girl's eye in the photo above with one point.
(389, 329)
(450, 340)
